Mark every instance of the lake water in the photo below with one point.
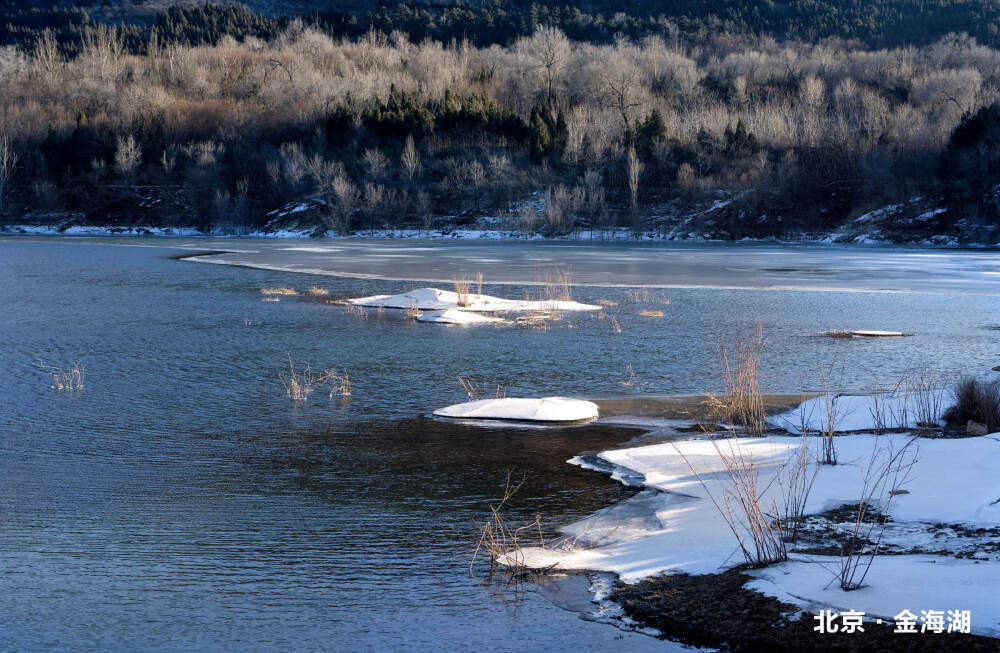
(181, 501)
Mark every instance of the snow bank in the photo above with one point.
(546, 409)
(952, 481)
(897, 583)
(900, 410)
(453, 316)
(434, 299)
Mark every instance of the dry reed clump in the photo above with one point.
(742, 403)
(299, 383)
(412, 312)
(638, 296)
(64, 378)
(605, 302)
(357, 310)
(462, 290)
(477, 391)
(651, 313)
(317, 292)
(279, 291)
(975, 401)
(502, 540)
(558, 285)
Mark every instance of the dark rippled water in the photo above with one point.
(181, 502)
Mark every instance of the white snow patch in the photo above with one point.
(453, 316)
(434, 299)
(896, 583)
(898, 410)
(546, 409)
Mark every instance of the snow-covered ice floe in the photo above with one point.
(677, 527)
(546, 409)
(434, 299)
(896, 410)
(454, 316)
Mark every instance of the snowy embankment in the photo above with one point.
(676, 527)
(434, 299)
(545, 409)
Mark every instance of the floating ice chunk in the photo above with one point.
(546, 409)
(435, 299)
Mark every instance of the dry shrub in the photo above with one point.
(64, 378)
(887, 471)
(502, 540)
(279, 291)
(741, 403)
(925, 396)
(651, 313)
(299, 383)
(796, 479)
(317, 292)
(976, 401)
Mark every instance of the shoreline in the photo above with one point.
(726, 608)
(616, 235)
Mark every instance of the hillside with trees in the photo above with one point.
(216, 117)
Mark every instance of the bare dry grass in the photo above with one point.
(741, 403)
(279, 291)
(462, 290)
(68, 379)
(501, 541)
(300, 382)
(476, 391)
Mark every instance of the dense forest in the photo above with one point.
(215, 116)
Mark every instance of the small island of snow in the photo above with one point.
(546, 409)
(435, 299)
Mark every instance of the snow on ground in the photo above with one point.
(546, 409)
(679, 529)
(434, 299)
(453, 316)
(896, 410)
(896, 583)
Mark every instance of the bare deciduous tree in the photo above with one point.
(8, 164)
(410, 158)
(549, 50)
(127, 156)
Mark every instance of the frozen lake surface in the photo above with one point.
(700, 265)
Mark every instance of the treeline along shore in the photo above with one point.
(217, 118)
